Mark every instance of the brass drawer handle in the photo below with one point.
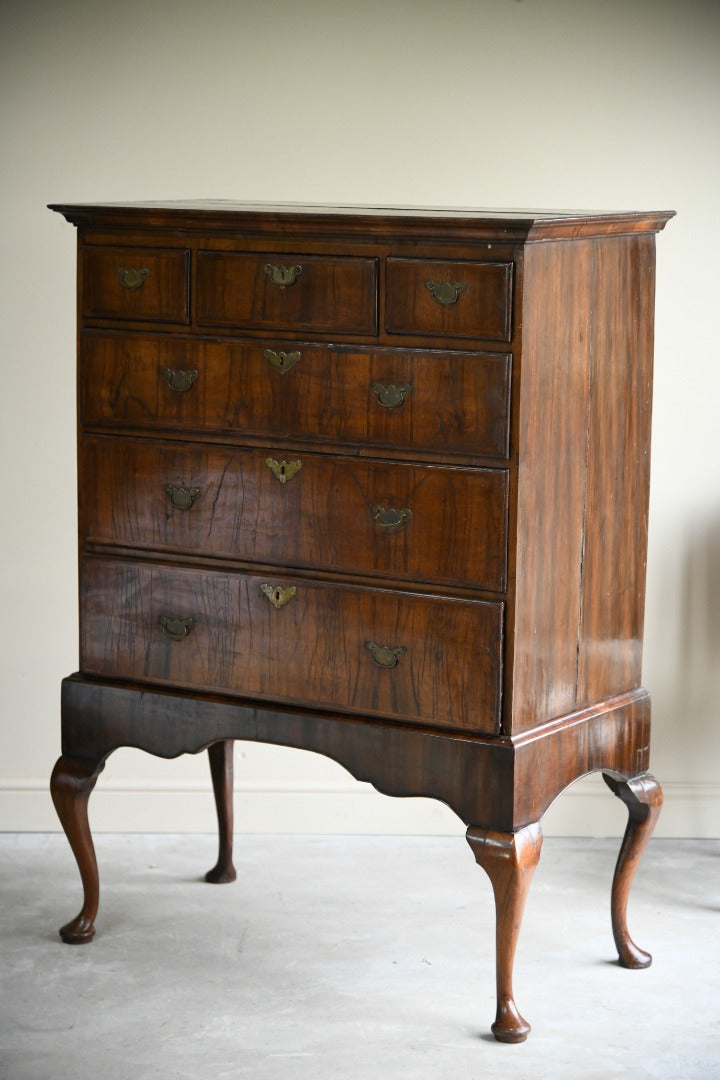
(390, 518)
(132, 277)
(277, 595)
(384, 655)
(446, 292)
(283, 470)
(180, 380)
(390, 395)
(282, 361)
(181, 498)
(282, 276)
(177, 629)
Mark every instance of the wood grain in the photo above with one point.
(71, 785)
(488, 782)
(481, 311)
(643, 798)
(312, 651)
(338, 294)
(327, 516)
(163, 296)
(509, 859)
(551, 445)
(220, 757)
(618, 477)
(458, 401)
(446, 596)
(430, 224)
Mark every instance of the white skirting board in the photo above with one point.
(322, 807)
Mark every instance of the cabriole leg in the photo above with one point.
(70, 786)
(643, 797)
(220, 755)
(509, 860)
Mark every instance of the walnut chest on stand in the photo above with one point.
(372, 483)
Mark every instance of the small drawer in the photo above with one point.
(292, 292)
(144, 284)
(368, 651)
(408, 522)
(447, 402)
(452, 299)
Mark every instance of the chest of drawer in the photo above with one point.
(286, 291)
(452, 299)
(312, 516)
(414, 522)
(375, 652)
(144, 284)
(451, 402)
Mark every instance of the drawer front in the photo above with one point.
(294, 292)
(438, 401)
(135, 283)
(455, 299)
(413, 522)
(420, 659)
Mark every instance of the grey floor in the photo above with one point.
(351, 958)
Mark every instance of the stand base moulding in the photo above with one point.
(371, 483)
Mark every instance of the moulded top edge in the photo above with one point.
(218, 214)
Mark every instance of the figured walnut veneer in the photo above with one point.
(371, 483)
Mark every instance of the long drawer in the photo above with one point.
(416, 522)
(375, 652)
(439, 401)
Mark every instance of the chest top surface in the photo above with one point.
(219, 214)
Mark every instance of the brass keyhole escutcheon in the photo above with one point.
(181, 498)
(283, 276)
(133, 277)
(446, 292)
(283, 470)
(282, 361)
(278, 595)
(180, 380)
(390, 395)
(177, 629)
(390, 517)
(385, 656)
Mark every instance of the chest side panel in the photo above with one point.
(616, 514)
(551, 444)
(583, 441)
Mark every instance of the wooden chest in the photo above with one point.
(374, 483)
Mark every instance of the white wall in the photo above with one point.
(607, 104)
